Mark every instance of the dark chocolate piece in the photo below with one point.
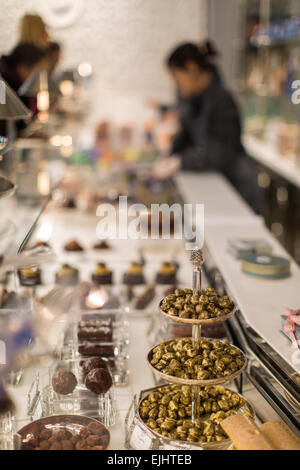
(98, 381)
(64, 382)
(94, 349)
(97, 323)
(94, 333)
(141, 301)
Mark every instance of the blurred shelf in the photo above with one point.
(265, 154)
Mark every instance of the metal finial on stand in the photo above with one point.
(197, 261)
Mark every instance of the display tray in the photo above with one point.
(73, 423)
(138, 431)
(193, 321)
(246, 408)
(182, 381)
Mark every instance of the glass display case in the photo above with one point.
(270, 68)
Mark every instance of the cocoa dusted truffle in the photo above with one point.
(64, 382)
(40, 244)
(73, 245)
(93, 363)
(103, 245)
(98, 381)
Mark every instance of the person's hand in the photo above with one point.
(166, 167)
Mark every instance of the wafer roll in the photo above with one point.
(281, 436)
(244, 433)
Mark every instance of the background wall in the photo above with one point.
(125, 40)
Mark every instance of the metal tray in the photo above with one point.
(179, 380)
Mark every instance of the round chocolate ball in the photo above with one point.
(93, 363)
(98, 381)
(64, 382)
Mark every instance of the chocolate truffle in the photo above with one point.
(98, 381)
(102, 275)
(67, 276)
(167, 274)
(93, 441)
(56, 446)
(44, 445)
(67, 445)
(93, 363)
(73, 245)
(134, 275)
(97, 429)
(45, 434)
(40, 244)
(63, 435)
(30, 276)
(102, 246)
(64, 382)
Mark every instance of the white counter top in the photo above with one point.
(261, 302)
(222, 204)
(265, 154)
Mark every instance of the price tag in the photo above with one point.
(175, 446)
(140, 440)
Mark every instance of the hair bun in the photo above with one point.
(208, 49)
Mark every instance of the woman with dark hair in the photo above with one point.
(210, 135)
(16, 68)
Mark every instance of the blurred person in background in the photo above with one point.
(33, 29)
(210, 129)
(17, 67)
(54, 56)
